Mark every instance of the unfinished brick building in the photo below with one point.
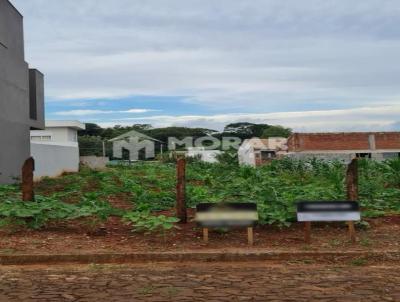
(345, 145)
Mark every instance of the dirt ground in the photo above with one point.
(249, 281)
(114, 236)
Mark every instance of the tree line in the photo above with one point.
(91, 139)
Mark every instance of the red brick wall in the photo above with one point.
(342, 141)
(388, 140)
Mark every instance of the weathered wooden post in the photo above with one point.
(307, 232)
(27, 180)
(352, 192)
(205, 235)
(250, 236)
(181, 190)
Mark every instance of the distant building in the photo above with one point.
(345, 145)
(55, 149)
(21, 95)
(256, 151)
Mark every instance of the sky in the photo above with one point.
(312, 65)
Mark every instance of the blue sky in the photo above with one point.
(315, 65)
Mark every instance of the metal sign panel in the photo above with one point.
(328, 211)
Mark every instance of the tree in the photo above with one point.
(108, 133)
(117, 130)
(163, 134)
(244, 130)
(276, 131)
(90, 145)
(91, 130)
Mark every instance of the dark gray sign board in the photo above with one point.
(309, 211)
(328, 211)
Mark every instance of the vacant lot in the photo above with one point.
(89, 209)
(275, 187)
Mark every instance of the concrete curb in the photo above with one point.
(203, 256)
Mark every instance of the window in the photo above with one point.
(363, 155)
(265, 155)
(41, 138)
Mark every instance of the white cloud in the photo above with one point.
(138, 110)
(356, 119)
(81, 112)
(85, 112)
(261, 55)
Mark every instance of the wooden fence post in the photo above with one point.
(27, 180)
(250, 236)
(307, 232)
(205, 235)
(352, 180)
(181, 190)
(352, 192)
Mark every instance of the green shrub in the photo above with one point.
(38, 213)
(144, 221)
(228, 157)
(151, 187)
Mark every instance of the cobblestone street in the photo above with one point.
(200, 282)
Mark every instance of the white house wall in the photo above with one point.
(246, 155)
(94, 162)
(277, 143)
(63, 134)
(54, 159)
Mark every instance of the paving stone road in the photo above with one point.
(200, 282)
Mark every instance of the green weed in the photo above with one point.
(365, 241)
(359, 262)
(149, 223)
(150, 187)
(146, 290)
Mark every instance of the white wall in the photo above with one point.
(52, 159)
(246, 155)
(94, 162)
(58, 134)
(277, 143)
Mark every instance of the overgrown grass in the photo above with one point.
(275, 187)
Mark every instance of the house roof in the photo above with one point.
(77, 125)
(133, 133)
(257, 143)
